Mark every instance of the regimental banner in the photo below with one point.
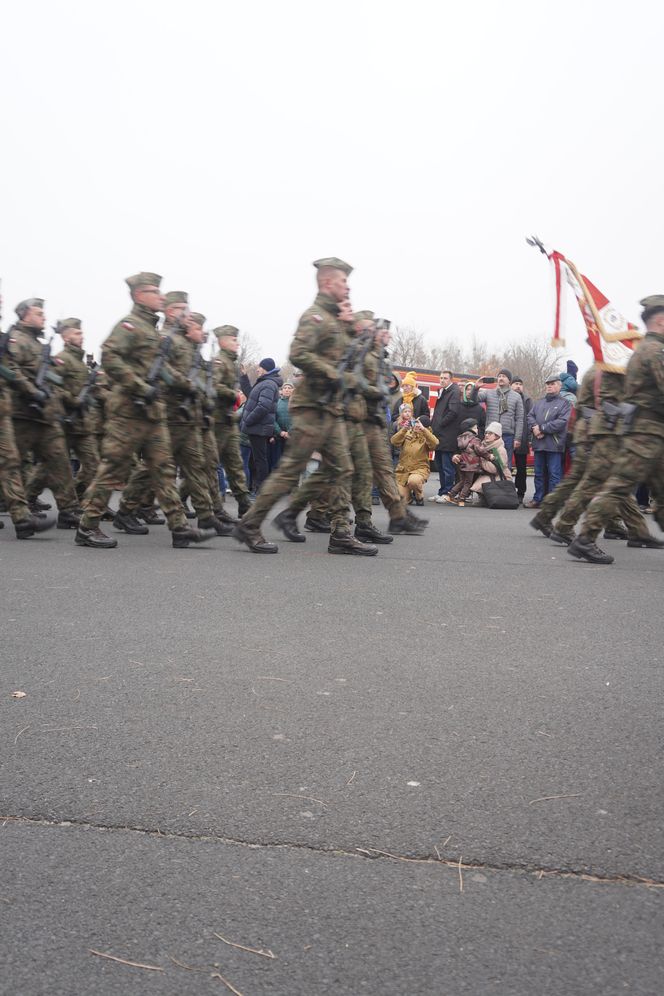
(611, 336)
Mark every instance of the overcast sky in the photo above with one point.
(227, 145)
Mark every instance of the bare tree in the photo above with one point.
(407, 347)
(533, 360)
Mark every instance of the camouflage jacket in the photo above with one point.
(26, 351)
(609, 386)
(316, 350)
(585, 400)
(376, 372)
(644, 384)
(75, 373)
(127, 356)
(177, 394)
(224, 379)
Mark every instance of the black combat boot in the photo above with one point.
(69, 519)
(406, 526)
(41, 506)
(417, 520)
(539, 523)
(368, 533)
(645, 542)
(243, 505)
(150, 516)
(220, 528)
(189, 512)
(287, 522)
(224, 516)
(184, 535)
(615, 533)
(561, 538)
(317, 524)
(28, 527)
(341, 541)
(583, 548)
(107, 515)
(128, 523)
(94, 538)
(253, 538)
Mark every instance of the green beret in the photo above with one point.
(222, 330)
(176, 297)
(364, 316)
(31, 302)
(68, 323)
(654, 301)
(143, 280)
(197, 318)
(336, 264)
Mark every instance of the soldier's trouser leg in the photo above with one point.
(47, 443)
(211, 461)
(312, 430)
(555, 500)
(138, 491)
(187, 448)
(640, 459)
(84, 447)
(361, 480)
(383, 471)
(124, 438)
(10, 473)
(312, 491)
(228, 444)
(600, 463)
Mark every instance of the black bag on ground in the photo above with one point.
(501, 493)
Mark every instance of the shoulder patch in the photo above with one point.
(317, 318)
(128, 325)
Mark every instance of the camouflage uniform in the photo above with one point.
(11, 483)
(132, 428)
(641, 459)
(376, 374)
(316, 409)
(606, 446)
(224, 379)
(79, 426)
(183, 419)
(38, 429)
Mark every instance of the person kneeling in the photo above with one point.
(415, 439)
(468, 462)
(493, 459)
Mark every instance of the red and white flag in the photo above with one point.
(611, 336)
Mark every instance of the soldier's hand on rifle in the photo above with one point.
(150, 395)
(40, 397)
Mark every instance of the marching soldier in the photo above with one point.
(37, 413)
(131, 356)
(76, 396)
(317, 422)
(641, 457)
(224, 377)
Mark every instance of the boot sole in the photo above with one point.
(94, 546)
(352, 553)
(581, 556)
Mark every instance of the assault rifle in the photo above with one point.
(185, 408)
(209, 395)
(43, 375)
(624, 411)
(84, 399)
(154, 373)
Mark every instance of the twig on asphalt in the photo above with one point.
(437, 852)
(257, 951)
(123, 961)
(547, 798)
(351, 779)
(231, 988)
(460, 877)
(137, 663)
(446, 841)
(189, 968)
(19, 733)
(77, 696)
(294, 795)
(269, 677)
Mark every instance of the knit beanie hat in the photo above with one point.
(572, 368)
(508, 373)
(496, 428)
(469, 425)
(267, 364)
(410, 380)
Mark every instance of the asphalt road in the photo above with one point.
(433, 771)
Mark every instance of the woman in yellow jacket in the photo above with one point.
(415, 439)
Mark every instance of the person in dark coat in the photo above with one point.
(258, 416)
(547, 421)
(445, 425)
(521, 453)
(469, 408)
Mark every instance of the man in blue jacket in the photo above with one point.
(547, 421)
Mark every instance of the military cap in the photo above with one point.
(176, 297)
(143, 280)
(654, 301)
(226, 330)
(68, 323)
(364, 316)
(335, 263)
(197, 318)
(30, 302)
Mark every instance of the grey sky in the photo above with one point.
(226, 145)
